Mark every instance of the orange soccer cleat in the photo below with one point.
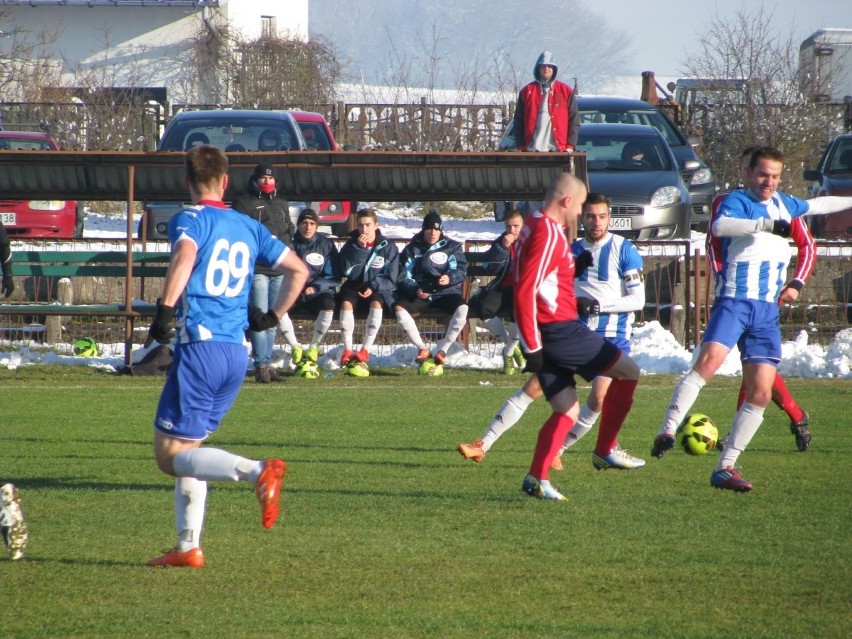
(472, 451)
(268, 489)
(192, 558)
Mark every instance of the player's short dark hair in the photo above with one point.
(766, 153)
(596, 198)
(368, 212)
(205, 165)
(513, 213)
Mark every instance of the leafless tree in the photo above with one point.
(269, 72)
(26, 60)
(769, 110)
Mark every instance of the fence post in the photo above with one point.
(341, 131)
(696, 269)
(53, 323)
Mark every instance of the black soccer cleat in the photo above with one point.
(801, 432)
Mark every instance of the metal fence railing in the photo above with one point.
(678, 289)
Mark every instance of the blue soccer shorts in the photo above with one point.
(750, 324)
(622, 343)
(571, 348)
(201, 385)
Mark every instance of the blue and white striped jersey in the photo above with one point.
(754, 266)
(214, 304)
(615, 281)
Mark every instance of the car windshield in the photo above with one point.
(841, 159)
(25, 144)
(651, 117)
(629, 153)
(243, 134)
(315, 136)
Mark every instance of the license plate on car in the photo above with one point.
(8, 219)
(620, 223)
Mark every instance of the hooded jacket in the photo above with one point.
(498, 261)
(271, 211)
(561, 103)
(375, 267)
(423, 264)
(322, 259)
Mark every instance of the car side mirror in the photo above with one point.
(691, 165)
(812, 175)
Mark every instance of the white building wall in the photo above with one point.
(147, 45)
(291, 17)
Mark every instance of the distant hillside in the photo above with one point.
(490, 45)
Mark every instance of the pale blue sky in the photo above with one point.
(663, 31)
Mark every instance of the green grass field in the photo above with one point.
(388, 532)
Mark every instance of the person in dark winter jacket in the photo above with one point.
(369, 263)
(546, 116)
(433, 271)
(495, 298)
(261, 202)
(321, 257)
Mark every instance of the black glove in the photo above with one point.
(535, 361)
(781, 227)
(260, 321)
(582, 262)
(8, 286)
(161, 328)
(588, 306)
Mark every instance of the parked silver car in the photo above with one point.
(696, 175)
(634, 167)
(230, 130)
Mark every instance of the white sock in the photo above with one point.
(684, 396)
(457, 322)
(285, 325)
(321, 326)
(513, 341)
(347, 326)
(409, 327)
(497, 328)
(746, 422)
(371, 330)
(190, 499)
(215, 464)
(582, 426)
(508, 415)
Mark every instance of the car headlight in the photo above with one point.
(701, 176)
(47, 205)
(665, 196)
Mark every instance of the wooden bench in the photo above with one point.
(56, 266)
(47, 271)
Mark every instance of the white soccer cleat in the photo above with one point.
(618, 458)
(12, 524)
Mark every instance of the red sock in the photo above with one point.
(616, 405)
(741, 398)
(550, 438)
(782, 397)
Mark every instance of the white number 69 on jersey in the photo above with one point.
(227, 262)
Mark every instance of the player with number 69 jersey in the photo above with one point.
(214, 303)
(206, 289)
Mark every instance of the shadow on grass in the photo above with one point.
(68, 483)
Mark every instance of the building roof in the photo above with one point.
(113, 3)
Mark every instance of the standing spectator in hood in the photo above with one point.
(546, 115)
(261, 202)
